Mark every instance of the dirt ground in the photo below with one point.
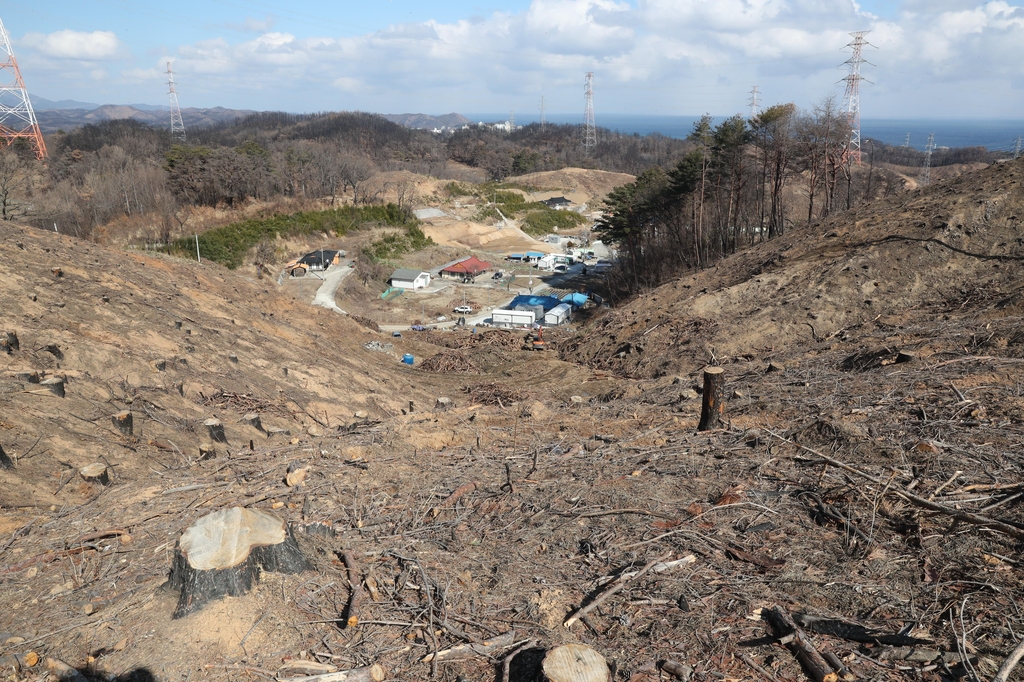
(877, 501)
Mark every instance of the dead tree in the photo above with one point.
(714, 397)
(223, 553)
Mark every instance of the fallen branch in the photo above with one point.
(1010, 663)
(796, 640)
(369, 673)
(656, 566)
(351, 613)
(473, 649)
(956, 514)
(454, 497)
(612, 512)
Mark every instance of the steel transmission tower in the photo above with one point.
(589, 129)
(542, 112)
(906, 142)
(1016, 149)
(177, 125)
(755, 106)
(851, 100)
(17, 119)
(926, 171)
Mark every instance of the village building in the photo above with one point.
(407, 278)
(557, 203)
(468, 267)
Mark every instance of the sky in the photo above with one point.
(937, 59)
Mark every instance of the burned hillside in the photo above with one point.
(866, 479)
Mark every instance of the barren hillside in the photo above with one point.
(876, 501)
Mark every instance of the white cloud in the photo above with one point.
(68, 44)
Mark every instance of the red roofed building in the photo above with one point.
(470, 267)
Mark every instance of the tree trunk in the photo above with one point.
(223, 553)
(714, 395)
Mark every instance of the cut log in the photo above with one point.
(5, 461)
(54, 386)
(784, 628)
(223, 553)
(216, 430)
(714, 398)
(575, 663)
(253, 420)
(123, 421)
(96, 472)
(370, 673)
(488, 647)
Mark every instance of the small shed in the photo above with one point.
(533, 256)
(407, 278)
(558, 315)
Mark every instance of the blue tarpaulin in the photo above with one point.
(575, 299)
(546, 302)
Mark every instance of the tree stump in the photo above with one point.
(714, 398)
(5, 461)
(253, 420)
(95, 473)
(31, 377)
(443, 403)
(160, 365)
(575, 663)
(905, 356)
(54, 386)
(10, 343)
(123, 421)
(216, 429)
(223, 553)
(207, 451)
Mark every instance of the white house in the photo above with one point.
(406, 278)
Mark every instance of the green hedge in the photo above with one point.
(228, 245)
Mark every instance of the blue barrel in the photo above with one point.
(407, 359)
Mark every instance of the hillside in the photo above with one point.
(878, 502)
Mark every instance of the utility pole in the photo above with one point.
(177, 124)
(589, 129)
(926, 171)
(17, 118)
(755, 105)
(906, 142)
(851, 99)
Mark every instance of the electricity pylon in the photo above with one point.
(851, 99)
(755, 106)
(1016, 149)
(17, 119)
(589, 130)
(926, 171)
(177, 124)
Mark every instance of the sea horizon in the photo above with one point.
(993, 134)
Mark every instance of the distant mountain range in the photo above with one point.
(425, 121)
(52, 120)
(43, 104)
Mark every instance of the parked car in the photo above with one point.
(561, 268)
(396, 335)
(463, 310)
(498, 275)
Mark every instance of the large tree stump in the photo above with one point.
(216, 429)
(714, 398)
(5, 461)
(575, 663)
(95, 473)
(123, 421)
(223, 553)
(253, 420)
